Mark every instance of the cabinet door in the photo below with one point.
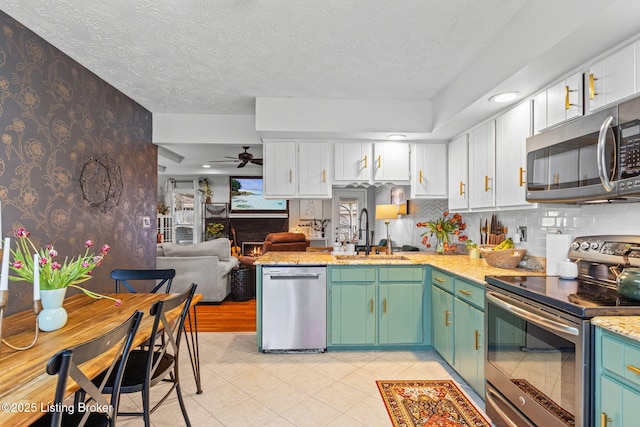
(482, 155)
(512, 130)
(313, 169)
(540, 112)
(442, 320)
(612, 78)
(458, 174)
(564, 100)
(469, 344)
(352, 161)
(429, 170)
(391, 161)
(400, 313)
(353, 317)
(279, 169)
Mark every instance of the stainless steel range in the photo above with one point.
(539, 357)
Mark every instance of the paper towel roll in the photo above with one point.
(557, 250)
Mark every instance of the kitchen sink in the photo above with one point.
(381, 257)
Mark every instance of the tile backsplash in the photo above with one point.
(578, 220)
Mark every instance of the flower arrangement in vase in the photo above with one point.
(443, 228)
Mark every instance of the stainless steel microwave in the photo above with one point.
(594, 158)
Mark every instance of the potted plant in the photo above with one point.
(206, 191)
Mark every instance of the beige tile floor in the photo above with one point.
(242, 387)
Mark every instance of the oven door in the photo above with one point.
(575, 162)
(536, 363)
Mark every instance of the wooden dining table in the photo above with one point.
(26, 390)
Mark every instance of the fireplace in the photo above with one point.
(252, 248)
(252, 231)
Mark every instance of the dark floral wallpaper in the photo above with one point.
(58, 120)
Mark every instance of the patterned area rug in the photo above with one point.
(429, 403)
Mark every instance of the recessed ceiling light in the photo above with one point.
(206, 166)
(504, 97)
(396, 137)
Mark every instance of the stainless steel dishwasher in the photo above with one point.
(294, 309)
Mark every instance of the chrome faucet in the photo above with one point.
(367, 245)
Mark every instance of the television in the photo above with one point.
(245, 197)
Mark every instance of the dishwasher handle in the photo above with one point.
(285, 276)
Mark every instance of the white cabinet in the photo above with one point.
(391, 161)
(352, 161)
(564, 100)
(296, 169)
(279, 168)
(482, 166)
(367, 162)
(314, 169)
(512, 130)
(612, 78)
(429, 170)
(458, 173)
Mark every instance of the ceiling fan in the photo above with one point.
(243, 158)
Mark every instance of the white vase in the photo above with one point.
(53, 316)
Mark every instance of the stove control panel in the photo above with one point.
(609, 249)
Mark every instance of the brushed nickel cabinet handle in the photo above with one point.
(592, 86)
(522, 172)
(465, 292)
(446, 318)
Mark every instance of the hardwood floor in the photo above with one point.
(229, 316)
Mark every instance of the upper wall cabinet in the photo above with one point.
(612, 78)
(297, 169)
(458, 173)
(482, 166)
(560, 102)
(512, 130)
(429, 171)
(366, 162)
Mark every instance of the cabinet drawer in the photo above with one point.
(353, 274)
(622, 357)
(442, 280)
(401, 274)
(469, 292)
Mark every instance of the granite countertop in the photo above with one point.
(627, 326)
(462, 265)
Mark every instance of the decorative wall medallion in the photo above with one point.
(101, 183)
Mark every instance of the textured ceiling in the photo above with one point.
(200, 56)
(196, 57)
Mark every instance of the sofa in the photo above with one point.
(207, 264)
(285, 242)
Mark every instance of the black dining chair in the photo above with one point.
(128, 279)
(158, 361)
(163, 278)
(91, 396)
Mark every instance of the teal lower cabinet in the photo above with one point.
(442, 321)
(374, 306)
(617, 380)
(458, 325)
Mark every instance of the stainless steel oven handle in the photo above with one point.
(602, 165)
(489, 395)
(532, 317)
